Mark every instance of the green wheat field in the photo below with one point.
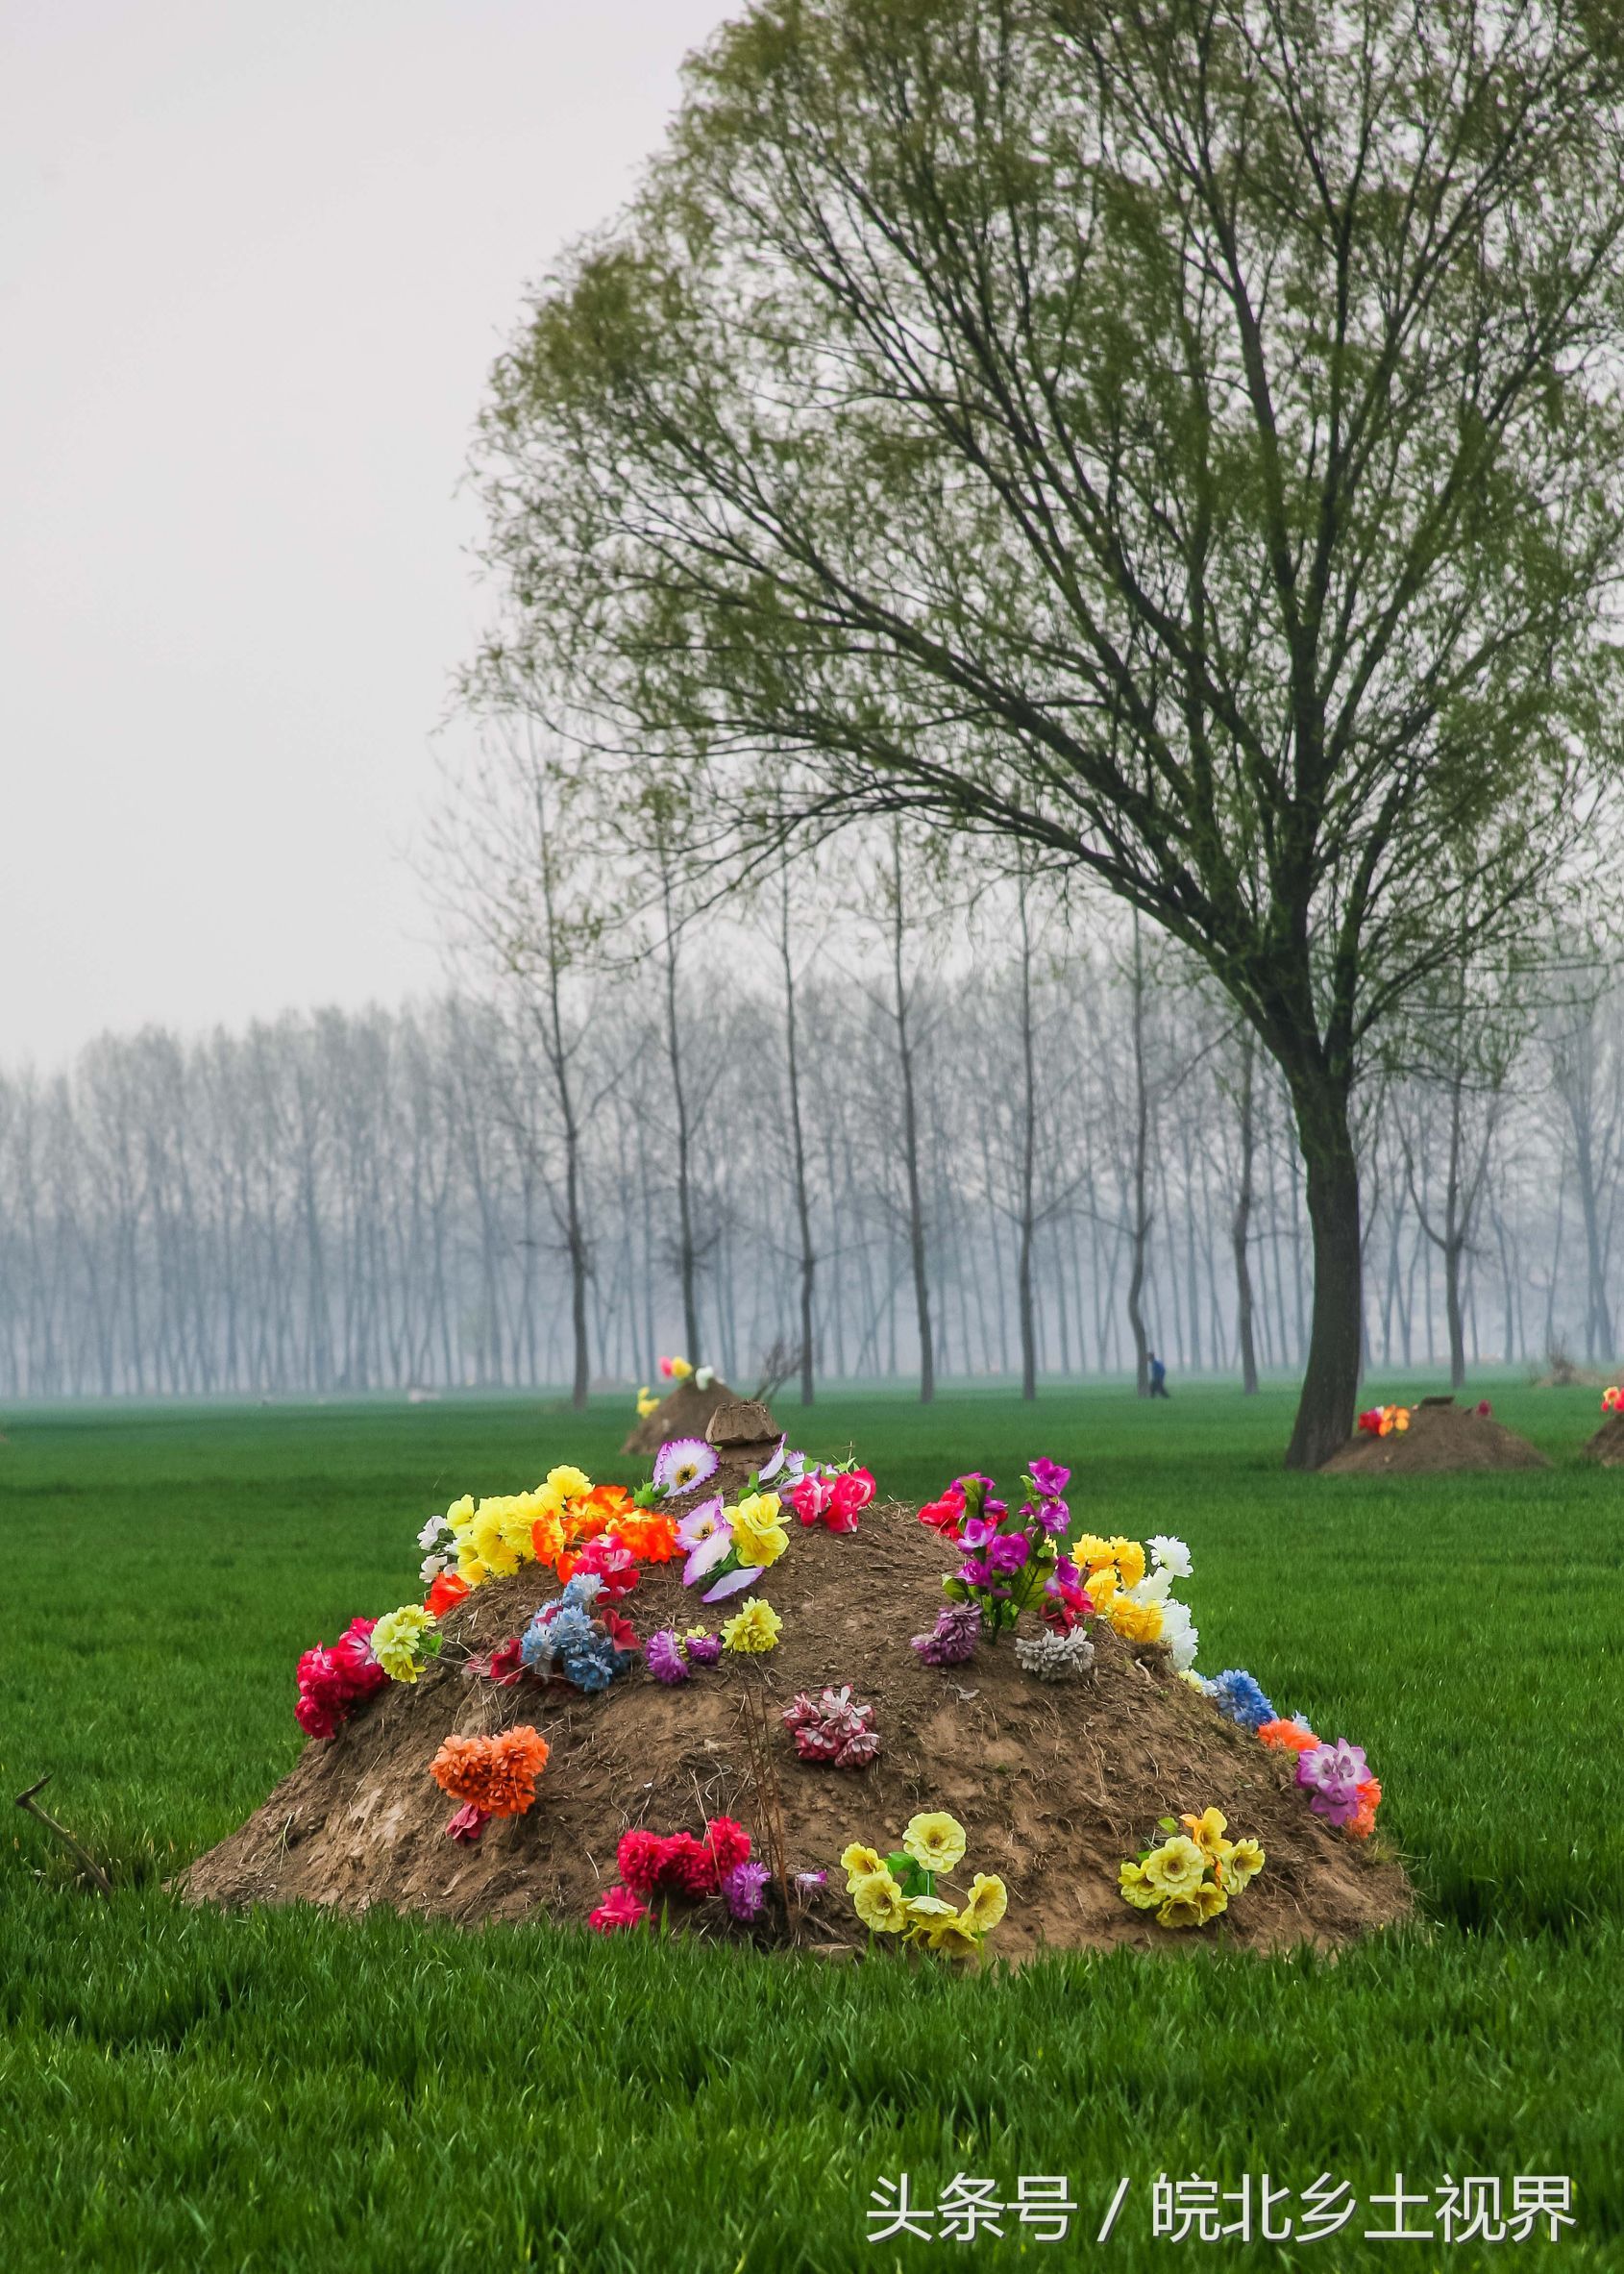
(281, 2090)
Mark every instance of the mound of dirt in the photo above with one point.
(1441, 1436)
(1607, 1448)
(685, 1412)
(1054, 1784)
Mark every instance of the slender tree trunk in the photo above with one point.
(1241, 1227)
(910, 1135)
(1139, 1229)
(797, 1147)
(1325, 1409)
(687, 1269)
(1028, 1156)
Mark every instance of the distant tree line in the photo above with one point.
(1096, 1162)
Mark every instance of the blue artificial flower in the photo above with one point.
(1235, 1693)
(589, 1669)
(570, 1629)
(535, 1648)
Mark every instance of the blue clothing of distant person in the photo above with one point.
(1158, 1377)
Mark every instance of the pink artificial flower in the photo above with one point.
(467, 1825)
(851, 1494)
(811, 1497)
(619, 1911)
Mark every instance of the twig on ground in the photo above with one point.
(31, 1807)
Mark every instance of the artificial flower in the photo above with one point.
(743, 1889)
(935, 1841)
(879, 1904)
(1613, 1400)
(1131, 1878)
(1208, 1830)
(1050, 1478)
(1093, 1553)
(1237, 1695)
(953, 1637)
(1054, 1657)
(494, 1773)
(448, 1590)
(665, 1657)
(684, 1462)
(1135, 1622)
(1176, 1868)
(946, 1515)
(860, 1863)
(986, 1903)
(832, 1728)
(732, 1583)
(334, 1681)
(1242, 1864)
(702, 1649)
(1129, 1558)
(852, 1491)
(646, 1402)
(758, 1537)
(1331, 1775)
(1289, 1737)
(754, 1626)
(467, 1825)
(620, 1910)
(401, 1638)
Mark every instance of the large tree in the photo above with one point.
(1180, 437)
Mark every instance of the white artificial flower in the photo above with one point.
(1154, 1588)
(430, 1531)
(1180, 1635)
(432, 1568)
(1170, 1555)
(704, 1376)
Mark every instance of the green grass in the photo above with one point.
(287, 2090)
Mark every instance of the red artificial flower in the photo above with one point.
(333, 1682)
(620, 1631)
(468, 1823)
(1371, 1422)
(620, 1910)
(689, 1865)
(810, 1497)
(853, 1493)
(947, 1514)
(504, 1665)
(728, 1842)
(616, 1566)
(447, 1590)
(639, 1858)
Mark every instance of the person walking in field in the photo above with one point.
(1158, 1377)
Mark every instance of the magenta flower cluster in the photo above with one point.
(834, 1728)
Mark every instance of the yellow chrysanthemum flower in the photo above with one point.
(1129, 1558)
(1134, 1885)
(569, 1484)
(1092, 1554)
(487, 1534)
(757, 1534)
(1101, 1587)
(935, 1841)
(879, 1903)
(1135, 1622)
(397, 1641)
(1242, 1864)
(986, 1903)
(860, 1863)
(1177, 1867)
(754, 1626)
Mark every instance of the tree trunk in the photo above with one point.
(910, 1138)
(1029, 1145)
(1241, 1225)
(1140, 1231)
(798, 1143)
(686, 1260)
(1325, 1408)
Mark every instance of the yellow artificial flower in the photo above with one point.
(1131, 1878)
(1210, 1900)
(860, 1863)
(460, 1513)
(879, 1903)
(1092, 1554)
(952, 1938)
(469, 1569)
(1135, 1622)
(753, 1626)
(757, 1534)
(681, 1369)
(935, 1842)
(646, 1402)
(569, 1484)
(397, 1638)
(926, 1911)
(1177, 1867)
(1208, 1830)
(1242, 1864)
(1100, 1587)
(986, 1903)
(487, 1534)
(1179, 1911)
(1129, 1558)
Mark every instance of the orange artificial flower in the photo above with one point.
(1362, 1825)
(447, 1590)
(648, 1532)
(1289, 1736)
(495, 1775)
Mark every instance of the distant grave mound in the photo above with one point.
(1607, 1448)
(685, 1412)
(1441, 1436)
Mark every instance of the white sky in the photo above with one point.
(255, 262)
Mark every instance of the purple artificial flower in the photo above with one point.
(807, 1883)
(1330, 1775)
(953, 1637)
(1054, 1515)
(702, 1649)
(975, 1531)
(773, 1461)
(1050, 1479)
(682, 1463)
(732, 1583)
(701, 1524)
(741, 1889)
(975, 1574)
(704, 1558)
(1008, 1552)
(664, 1658)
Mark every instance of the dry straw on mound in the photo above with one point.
(1055, 1782)
(1440, 1436)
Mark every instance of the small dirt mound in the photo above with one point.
(1055, 1784)
(1441, 1436)
(1607, 1448)
(685, 1412)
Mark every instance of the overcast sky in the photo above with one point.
(255, 262)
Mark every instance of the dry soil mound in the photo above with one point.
(685, 1412)
(1441, 1436)
(1055, 1784)
(1607, 1448)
